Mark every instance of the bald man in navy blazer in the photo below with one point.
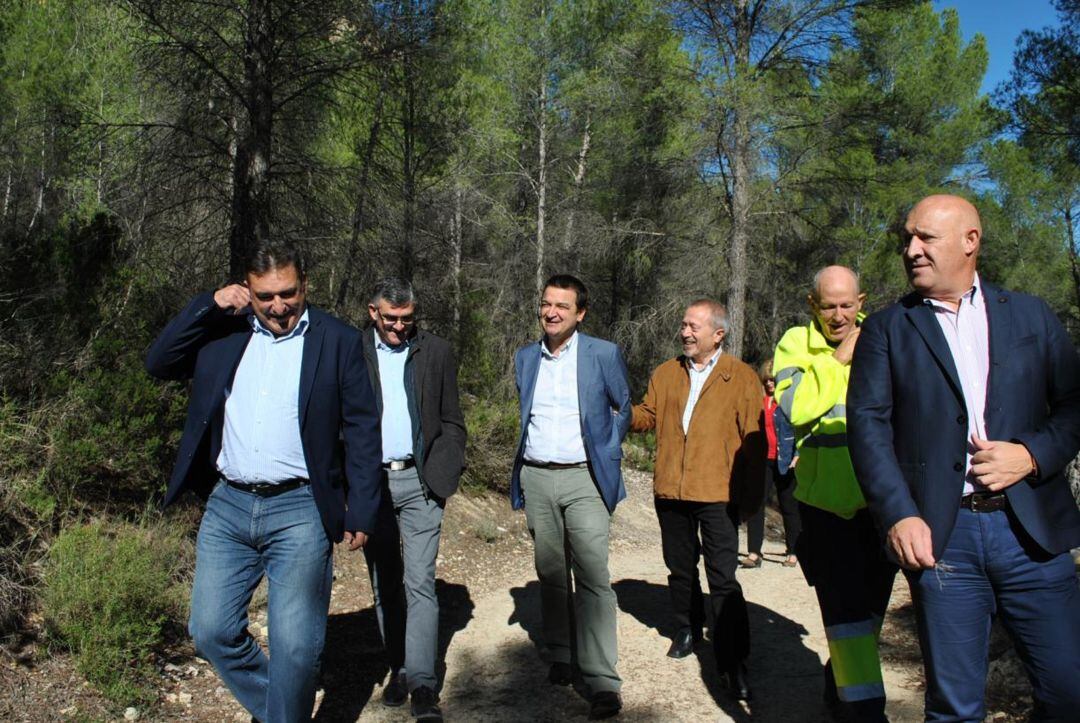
(963, 413)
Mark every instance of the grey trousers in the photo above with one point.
(401, 561)
(569, 524)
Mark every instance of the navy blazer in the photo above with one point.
(907, 423)
(336, 404)
(604, 405)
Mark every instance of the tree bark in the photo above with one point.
(579, 180)
(408, 166)
(359, 217)
(741, 172)
(541, 183)
(455, 257)
(250, 207)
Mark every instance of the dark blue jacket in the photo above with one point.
(339, 427)
(785, 440)
(907, 423)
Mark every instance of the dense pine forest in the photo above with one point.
(660, 150)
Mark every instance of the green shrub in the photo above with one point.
(24, 504)
(115, 435)
(112, 593)
(493, 436)
(639, 450)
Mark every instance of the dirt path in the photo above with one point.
(490, 615)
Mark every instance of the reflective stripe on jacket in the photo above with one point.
(811, 389)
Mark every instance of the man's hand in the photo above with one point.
(233, 298)
(997, 465)
(910, 541)
(355, 540)
(846, 348)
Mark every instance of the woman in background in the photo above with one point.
(779, 474)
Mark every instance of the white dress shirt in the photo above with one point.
(967, 334)
(554, 431)
(697, 382)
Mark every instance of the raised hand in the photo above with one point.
(233, 298)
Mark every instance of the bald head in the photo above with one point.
(836, 302)
(836, 277)
(941, 241)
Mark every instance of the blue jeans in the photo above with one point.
(401, 561)
(989, 568)
(243, 537)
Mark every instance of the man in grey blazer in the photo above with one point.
(414, 376)
(575, 411)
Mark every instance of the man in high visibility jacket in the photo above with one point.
(839, 549)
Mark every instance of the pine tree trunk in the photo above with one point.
(541, 185)
(250, 199)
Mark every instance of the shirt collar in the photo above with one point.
(381, 345)
(299, 330)
(565, 347)
(972, 296)
(708, 365)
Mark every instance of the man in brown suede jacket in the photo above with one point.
(706, 409)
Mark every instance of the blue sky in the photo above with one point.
(1000, 21)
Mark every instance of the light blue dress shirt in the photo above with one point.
(554, 432)
(397, 440)
(260, 440)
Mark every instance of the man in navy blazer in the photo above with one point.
(282, 437)
(575, 411)
(963, 412)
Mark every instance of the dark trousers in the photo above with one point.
(990, 567)
(789, 510)
(686, 530)
(845, 563)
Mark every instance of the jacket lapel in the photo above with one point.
(922, 317)
(584, 370)
(233, 352)
(530, 364)
(313, 344)
(415, 363)
(999, 325)
(721, 370)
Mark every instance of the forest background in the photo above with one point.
(660, 150)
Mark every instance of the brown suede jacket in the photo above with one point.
(722, 457)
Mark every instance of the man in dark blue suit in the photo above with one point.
(575, 411)
(282, 437)
(963, 412)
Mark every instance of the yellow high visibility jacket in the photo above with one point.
(811, 389)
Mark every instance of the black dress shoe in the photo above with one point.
(425, 705)
(395, 692)
(605, 704)
(737, 682)
(683, 644)
(560, 674)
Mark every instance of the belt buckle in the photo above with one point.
(396, 465)
(981, 502)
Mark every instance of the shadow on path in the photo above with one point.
(354, 661)
(785, 675)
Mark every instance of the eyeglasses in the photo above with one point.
(406, 320)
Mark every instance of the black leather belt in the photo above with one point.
(554, 465)
(268, 489)
(396, 465)
(984, 501)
